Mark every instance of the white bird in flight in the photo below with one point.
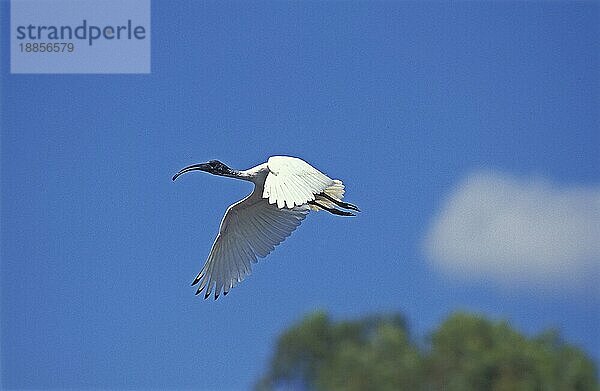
(285, 190)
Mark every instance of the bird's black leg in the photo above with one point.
(341, 204)
(332, 210)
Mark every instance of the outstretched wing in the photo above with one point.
(250, 229)
(293, 182)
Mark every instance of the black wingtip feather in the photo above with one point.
(200, 290)
(197, 279)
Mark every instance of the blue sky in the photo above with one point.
(403, 101)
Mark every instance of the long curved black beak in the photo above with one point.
(193, 167)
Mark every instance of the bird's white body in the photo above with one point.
(286, 189)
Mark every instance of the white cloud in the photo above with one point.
(515, 231)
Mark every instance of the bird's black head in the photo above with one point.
(218, 168)
(214, 167)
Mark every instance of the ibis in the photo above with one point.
(286, 189)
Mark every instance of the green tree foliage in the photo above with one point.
(466, 352)
(471, 352)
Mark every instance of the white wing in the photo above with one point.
(292, 181)
(250, 228)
